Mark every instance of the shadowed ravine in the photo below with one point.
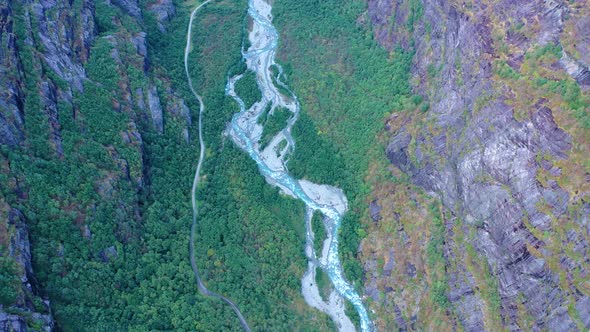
(202, 288)
(246, 131)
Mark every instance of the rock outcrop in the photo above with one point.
(11, 96)
(130, 7)
(163, 10)
(575, 39)
(576, 69)
(28, 308)
(64, 37)
(155, 108)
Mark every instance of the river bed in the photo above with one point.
(245, 131)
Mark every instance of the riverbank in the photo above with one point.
(245, 130)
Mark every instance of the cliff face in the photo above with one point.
(21, 305)
(11, 118)
(58, 58)
(500, 141)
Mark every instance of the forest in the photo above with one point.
(109, 216)
(347, 85)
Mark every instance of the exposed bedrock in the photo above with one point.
(483, 154)
(163, 10)
(11, 96)
(28, 308)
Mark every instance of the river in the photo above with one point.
(246, 132)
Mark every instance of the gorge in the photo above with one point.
(287, 165)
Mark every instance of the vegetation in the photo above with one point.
(247, 89)
(274, 123)
(9, 281)
(324, 284)
(319, 232)
(436, 259)
(315, 157)
(276, 78)
(110, 217)
(346, 84)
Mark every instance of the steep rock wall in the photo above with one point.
(500, 150)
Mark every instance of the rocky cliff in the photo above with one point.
(58, 59)
(501, 140)
(11, 118)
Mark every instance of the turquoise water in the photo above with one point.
(281, 178)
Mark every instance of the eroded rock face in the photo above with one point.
(129, 6)
(10, 322)
(575, 38)
(163, 10)
(577, 69)
(11, 96)
(64, 37)
(483, 150)
(19, 249)
(49, 100)
(155, 109)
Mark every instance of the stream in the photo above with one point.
(245, 131)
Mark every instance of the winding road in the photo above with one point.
(245, 131)
(202, 288)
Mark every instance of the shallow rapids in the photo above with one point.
(246, 132)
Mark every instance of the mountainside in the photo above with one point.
(502, 142)
(97, 158)
(458, 131)
(77, 90)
